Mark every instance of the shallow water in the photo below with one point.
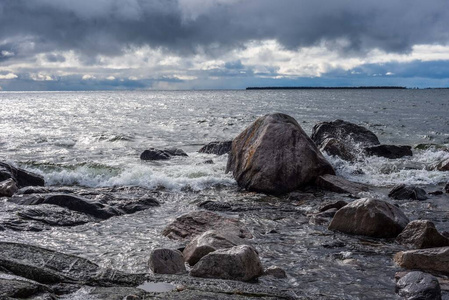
(94, 139)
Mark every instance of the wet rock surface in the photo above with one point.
(389, 151)
(338, 184)
(21, 176)
(217, 147)
(336, 147)
(166, 261)
(418, 285)
(157, 154)
(432, 259)
(405, 192)
(369, 217)
(443, 166)
(422, 234)
(274, 155)
(8, 187)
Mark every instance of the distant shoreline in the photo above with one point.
(328, 88)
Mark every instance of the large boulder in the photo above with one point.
(369, 217)
(274, 155)
(431, 259)
(389, 151)
(207, 242)
(166, 261)
(218, 148)
(197, 222)
(422, 234)
(407, 192)
(237, 263)
(21, 176)
(418, 285)
(8, 187)
(343, 131)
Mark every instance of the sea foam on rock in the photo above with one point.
(369, 217)
(274, 155)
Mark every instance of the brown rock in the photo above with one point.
(369, 217)
(422, 234)
(338, 184)
(197, 222)
(274, 155)
(432, 259)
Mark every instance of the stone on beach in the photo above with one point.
(389, 151)
(406, 192)
(237, 263)
(22, 177)
(8, 187)
(422, 234)
(218, 148)
(207, 242)
(166, 261)
(338, 184)
(369, 217)
(431, 259)
(274, 155)
(418, 285)
(197, 222)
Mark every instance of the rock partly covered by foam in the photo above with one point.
(389, 151)
(237, 263)
(21, 176)
(444, 165)
(369, 217)
(431, 259)
(407, 192)
(418, 285)
(274, 155)
(422, 234)
(335, 147)
(197, 222)
(166, 261)
(210, 241)
(218, 148)
(156, 154)
(8, 187)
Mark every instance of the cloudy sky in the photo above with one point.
(212, 44)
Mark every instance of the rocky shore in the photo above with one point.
(291, 222)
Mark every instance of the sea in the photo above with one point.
(93, 140)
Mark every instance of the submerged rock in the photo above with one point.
(389, 151)
(21, 176)
(418, 285)
(422, 234)
(406, 192)
(218, 148)
(8, 187)
(369, 217)
(338, 184)
(166, 261)
(431, 259)
(207, 242)
(197, 222)
(274, 155)
(237, 263)
(345, 132)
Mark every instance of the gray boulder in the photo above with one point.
(389, 151)
(407, 192)
(207, 242)
(422, 234)
(8, 187)
(274, 155)
(197, 222)
(21, 176)
(338, 184)
(218, 148)
(237, 263)
(418, 286)
(431, 259)
(369, 217)
(166, 261)
(343, 131)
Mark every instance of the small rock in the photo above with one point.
(276, 272)
(335, 147)
(418, 285)
(431, 259)
(339, 204)
(154, 154)
(237, 263)
(175, 152)
(405, 192)
(218, 148)
(8, 187)
(208, 162)
(167, 261)
(323, 217)
(422, 234)
(215, 205)
(338, 184)
(443, 166)
(207, 242)
(389, 151)
(369, 217)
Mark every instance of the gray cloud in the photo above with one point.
(93, 27)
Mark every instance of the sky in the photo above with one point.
(222, 44)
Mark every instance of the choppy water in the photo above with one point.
(94, 139)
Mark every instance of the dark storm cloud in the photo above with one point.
(93, 27)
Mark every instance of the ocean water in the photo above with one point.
(94, 140)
